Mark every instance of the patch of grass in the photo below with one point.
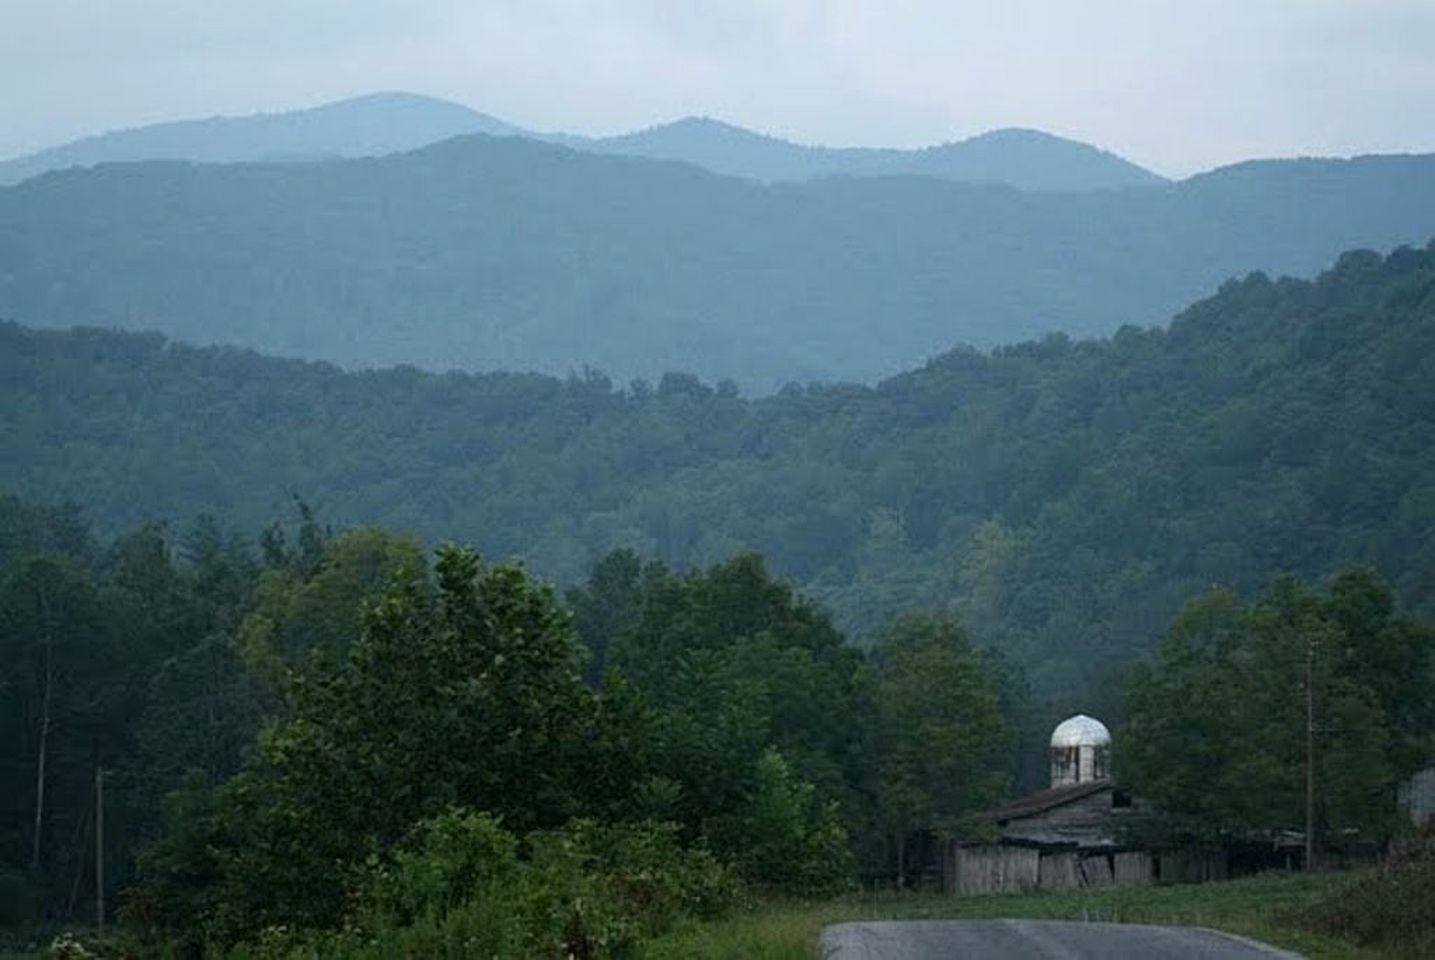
(1265, 908)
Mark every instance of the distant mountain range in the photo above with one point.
(1026, 159)
(488, 253)
(385, 123)
(366, 126)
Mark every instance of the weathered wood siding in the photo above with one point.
(996, 869)
(1096, 870)
(1132, 868)
(1004, 868)
(1059, 872)
(1191, 866)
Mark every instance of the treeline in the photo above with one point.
(321, 730)
(1061, 497)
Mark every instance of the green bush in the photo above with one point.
(1392, 907)
(455, 856)
(464, 886)
(786, 839)
(653, 877)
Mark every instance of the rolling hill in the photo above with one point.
(385, 123)
(1064, 497)
(1025, 159)
(371, 125)
(488, 253)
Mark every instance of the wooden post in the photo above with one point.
(99, 848)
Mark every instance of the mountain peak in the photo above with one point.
(691, 126)
(367, 125)
(1033, 160)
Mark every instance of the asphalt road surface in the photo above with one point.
(1034, 940)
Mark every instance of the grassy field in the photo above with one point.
(1260, 907)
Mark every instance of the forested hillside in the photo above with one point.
(1062, 496)
(501, 253)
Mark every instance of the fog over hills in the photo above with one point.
(384, 123)
(489, 253)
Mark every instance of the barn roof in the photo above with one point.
(1049, 799)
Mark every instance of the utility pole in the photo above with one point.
(1310, 753)
(99, 849)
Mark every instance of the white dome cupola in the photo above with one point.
(1080, 751)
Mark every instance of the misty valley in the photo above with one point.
(426, 536)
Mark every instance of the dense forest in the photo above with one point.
(281, 722)
(313, 744)
(1063, 497)
(488, 253)
(320, 745)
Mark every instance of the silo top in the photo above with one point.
(1080, 731)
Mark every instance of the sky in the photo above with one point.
(1175, 86)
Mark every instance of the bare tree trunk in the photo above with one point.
(1310, 851)
(82, 826)
(40, 764)
(99, 848)
(901, 862)
(75, 888)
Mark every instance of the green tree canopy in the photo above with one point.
(937, 748)
(460, 692)
(1216, 732)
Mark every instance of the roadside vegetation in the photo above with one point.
(1388, 910)
(1284, 910)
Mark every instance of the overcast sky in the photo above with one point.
(1178, 87)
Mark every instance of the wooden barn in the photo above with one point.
(1065, 836)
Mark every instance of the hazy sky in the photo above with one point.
(1177, 86)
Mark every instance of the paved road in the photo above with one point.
(1034, 940)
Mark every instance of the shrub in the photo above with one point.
(1390, 907)
(654, 878)
(459, 887)
(453, 857)
(786, 839)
